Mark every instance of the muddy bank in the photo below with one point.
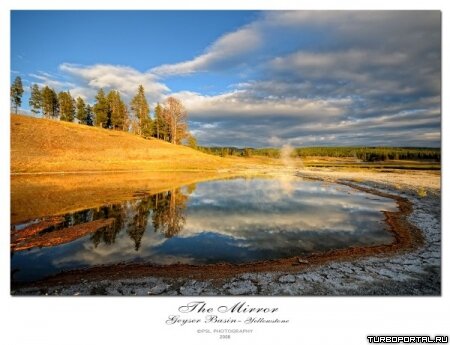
(409, 266)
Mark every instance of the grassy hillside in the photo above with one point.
(41, 145)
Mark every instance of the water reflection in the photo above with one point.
(237, 220)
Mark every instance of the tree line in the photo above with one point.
(169, 120)
(365, 154)
(372, 154)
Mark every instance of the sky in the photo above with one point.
(251, 78)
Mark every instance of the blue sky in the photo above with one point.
(251, 78)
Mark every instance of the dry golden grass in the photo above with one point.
(41, 145)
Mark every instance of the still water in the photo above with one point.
(235, 220)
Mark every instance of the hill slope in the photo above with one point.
(41, 145)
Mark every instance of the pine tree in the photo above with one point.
(118, 110)
(141, 110)
(50, 105)
(89, 116)
(35, 101)
(101, 110)
(81, 112)
(160, 126)
(147, 127)
(16, 93)
(66, 106)
(55, 105)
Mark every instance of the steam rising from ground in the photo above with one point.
(287, 177)
(286, 156)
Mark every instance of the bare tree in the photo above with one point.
(175, 116)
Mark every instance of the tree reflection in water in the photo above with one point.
(167, 211)
(109, 234)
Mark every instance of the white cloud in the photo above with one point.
(241, 103)
(51, 81)
(85, 81)
(122, 78)
(85, 93)
(228, 47)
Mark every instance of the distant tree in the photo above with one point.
(101, 110)
(224, 152)
(66, 106)
(35, 101)
(81, 112)
(16, 93)
(176, 118)
(50, 105)
(247, 152)
(89, 116)
(141, 111)
(117, 110)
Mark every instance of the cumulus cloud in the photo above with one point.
(85, 80)
(122, 78)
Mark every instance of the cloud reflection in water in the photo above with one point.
(236, 220)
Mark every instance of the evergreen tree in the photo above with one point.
(66, 106)
(89, 116)
(147, 127)
(101, 110)
(160, 125)
(35, 101)
(118, 111)
(16, 93)
(141, 110)
(50, 105)
(81, 112)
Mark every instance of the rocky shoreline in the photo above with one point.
(417, 272)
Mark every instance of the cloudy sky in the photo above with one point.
(251, 78)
